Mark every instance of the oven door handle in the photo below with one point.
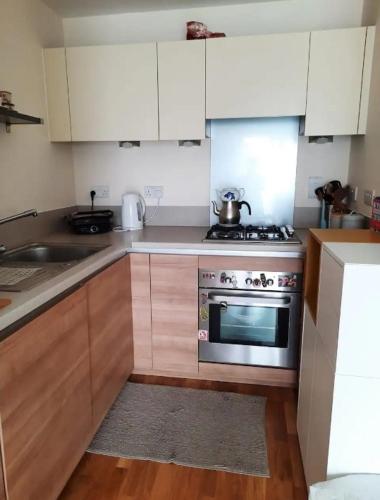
(247, 301)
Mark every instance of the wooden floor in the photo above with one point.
(106, 478)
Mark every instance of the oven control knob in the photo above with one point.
(270, 282)
(257, 282)
(263, 280)
(248, 281)
(227, 279)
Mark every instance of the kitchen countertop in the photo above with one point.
(153, 239)
(358, 254)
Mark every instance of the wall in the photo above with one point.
(34, 173)
(365, 152)
(185, 174)
(328, 161)
(183, 171)
(234, 20)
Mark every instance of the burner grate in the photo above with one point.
(251, 234)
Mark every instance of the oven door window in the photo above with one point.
(249, 325)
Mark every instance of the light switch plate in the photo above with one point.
(368, 197)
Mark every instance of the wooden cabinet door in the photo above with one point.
(174, 295)
(309, 337)
(113, 92)
(45, 400)
(141, 311)
(335, 81)
(3, 495)
(57, 92)
(257, 76)
(110, 327)
(181, 83)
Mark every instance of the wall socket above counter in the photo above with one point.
(155, 192)
(101, 191)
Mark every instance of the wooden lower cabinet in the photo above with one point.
(2, 482)
(45, 400)
(110, 328)
(141, 309)
(174, 298)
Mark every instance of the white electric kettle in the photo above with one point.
(132, 211)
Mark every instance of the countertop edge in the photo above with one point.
(25, 303)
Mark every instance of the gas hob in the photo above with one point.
(252, 234)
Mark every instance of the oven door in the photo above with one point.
(249, 328)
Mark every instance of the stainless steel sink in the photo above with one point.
(49, 253)
(25, 267)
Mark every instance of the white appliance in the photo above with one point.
(132, 211)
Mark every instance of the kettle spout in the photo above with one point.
(215, 208)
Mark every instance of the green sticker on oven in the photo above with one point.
(203, 313)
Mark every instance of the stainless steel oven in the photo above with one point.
(249, 318)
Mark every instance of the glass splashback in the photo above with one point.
(259, 155)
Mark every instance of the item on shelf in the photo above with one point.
(197, 31)
(6, 99)
(375, 221)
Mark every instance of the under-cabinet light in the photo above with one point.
(129, 144)
(321, 139)
(189, 143)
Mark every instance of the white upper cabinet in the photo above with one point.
(335, 81)
(257, 76)
(113, 92)
(181, 83)
(57, 94)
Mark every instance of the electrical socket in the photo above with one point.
(368, 197)
(101, 191)
(156, 192)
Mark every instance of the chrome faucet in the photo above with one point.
(28, 213)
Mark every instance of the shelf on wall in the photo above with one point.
(11, 117)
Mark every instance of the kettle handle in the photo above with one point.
(143, 204)
(241, 203)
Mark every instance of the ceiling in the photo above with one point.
(78, 8)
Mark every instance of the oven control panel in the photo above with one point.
(250, 280)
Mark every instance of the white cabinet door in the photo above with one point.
(335, 81)
(309, 337)
(181, 83)
(113, 92)
(329, 303)
(367, 73)
(253, 76)
(57, 94)
(320, 416)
